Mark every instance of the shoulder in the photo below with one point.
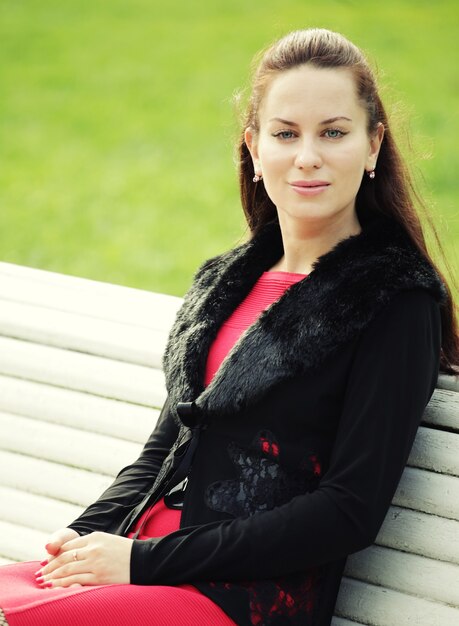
(410, 308)
(400, 347)
(406, 329)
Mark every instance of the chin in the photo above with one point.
(311, 215)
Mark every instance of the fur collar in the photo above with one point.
(347, 288)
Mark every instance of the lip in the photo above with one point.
(309, 183)
(309, 187)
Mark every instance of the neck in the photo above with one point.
(304, 242)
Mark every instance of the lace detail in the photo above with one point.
(288, 600)
(3, 621)
(263, 482)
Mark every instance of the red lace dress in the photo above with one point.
(25, 604)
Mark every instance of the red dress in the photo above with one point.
(25, 604)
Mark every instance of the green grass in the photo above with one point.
(117, 124)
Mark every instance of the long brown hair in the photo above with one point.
(392, 191)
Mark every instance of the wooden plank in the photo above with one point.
(80, 295)
(123, 342)
(420, 533)
(77, 410)
(443, 410)
(81, 372)
(341, 621)
(435, 450)
(448, 382)
(377, 606)
(61, 482)
(426, 491)
(20, 543)
(407, 573)
(66, 446)
(38, 512)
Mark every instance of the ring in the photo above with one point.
(75, 555)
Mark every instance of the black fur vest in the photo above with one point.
(347, 288)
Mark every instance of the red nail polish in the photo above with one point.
(45, 562)
(40, 579)
(38, 573)
(46, 585)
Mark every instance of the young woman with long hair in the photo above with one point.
(297, 370)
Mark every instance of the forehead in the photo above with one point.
(312, 91)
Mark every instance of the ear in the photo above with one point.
(251, 142)
(375, 145)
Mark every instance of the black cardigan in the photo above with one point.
(302, 435)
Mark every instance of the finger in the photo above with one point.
(75, 580)
(68, 558)
(74, 544)
(55, 543)
(53, 547)
(58, 539)
(67, 570)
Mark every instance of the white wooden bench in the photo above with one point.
(80, 390)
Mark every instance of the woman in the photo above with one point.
(297, 371)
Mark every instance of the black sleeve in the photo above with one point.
(133, 481)
(393, 375)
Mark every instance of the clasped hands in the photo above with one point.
(94, 559)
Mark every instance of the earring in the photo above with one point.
(257, 178)
(371, 174)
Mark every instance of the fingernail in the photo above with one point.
(40, 579)
(47, 546)
(46, 585)
(45, 562)
(39, 572)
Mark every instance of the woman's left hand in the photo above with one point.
(95, 559)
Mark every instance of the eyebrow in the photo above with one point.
(331, 120)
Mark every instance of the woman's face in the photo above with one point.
(313, 147)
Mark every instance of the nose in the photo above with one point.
(308, 155)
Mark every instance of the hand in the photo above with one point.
(95, 559)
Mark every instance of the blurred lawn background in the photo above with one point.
(117, 124)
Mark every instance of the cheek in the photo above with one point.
(361, 148)
(351, 160)
(272, 156)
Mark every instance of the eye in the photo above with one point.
(334, 133)
(284, 134)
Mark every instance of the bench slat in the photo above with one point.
(435, 450)
(19, 543)
(72, 370)
(123, 342)
(77, 410)
(66, 446)
(41, 477)
(408, 573)
(88, 297)
(38, 512)
(446, 381)
(426, 491)
(420, 533)
(379, 606)
(443, 410)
